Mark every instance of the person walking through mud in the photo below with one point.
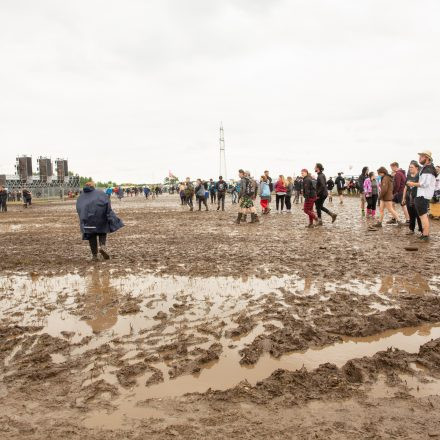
(201, 194)
(96, 219)
(289, 192)
(3, 199)
(363, 176)
(189, 193)
(330, 186)
(264, 194)
(371, 191)
(221, 187)
(409, 197)
(309, 197)
(27, 197)
(340, 186)
(246, 198)
(399, 182)
(386, 197)
(425, 191)
(280, 193)
(212, 187)
(322, 194)
(298, 188)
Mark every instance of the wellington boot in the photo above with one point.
(254, 218)
(239, 219)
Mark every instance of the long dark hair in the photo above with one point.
(364, 171)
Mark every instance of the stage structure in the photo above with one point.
(223, 172)
(43, 185)
(62, 169)
(45, 169)
(24, 168)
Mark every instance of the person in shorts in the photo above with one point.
(425, 191)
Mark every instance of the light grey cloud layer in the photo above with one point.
(129, 90)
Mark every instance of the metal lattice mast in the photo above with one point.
(222, 153)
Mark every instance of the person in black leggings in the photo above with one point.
(322, 194)
(409, 195)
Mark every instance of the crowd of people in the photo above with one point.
(381, 192)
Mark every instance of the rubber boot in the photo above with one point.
(254, 218)
(333, 216)
(239, 218)
(244, 216)
(319, 222)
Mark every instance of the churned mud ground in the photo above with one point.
(198, 328)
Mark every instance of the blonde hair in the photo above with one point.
(283, 180)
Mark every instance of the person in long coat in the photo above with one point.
(96, 219)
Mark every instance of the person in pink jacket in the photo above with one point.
(371, 191)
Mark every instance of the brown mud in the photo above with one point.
(197, 328)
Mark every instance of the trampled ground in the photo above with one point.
(198, 328)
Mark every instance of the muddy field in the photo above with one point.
(201, 329)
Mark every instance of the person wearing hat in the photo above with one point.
(425, 190)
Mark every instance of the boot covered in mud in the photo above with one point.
(319, 222)
(254, 218)
(333, 216)
(243, 218)
(239, 218)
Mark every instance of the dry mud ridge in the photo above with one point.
(200, 329)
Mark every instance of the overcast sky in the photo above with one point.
(128, 90)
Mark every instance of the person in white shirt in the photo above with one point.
(425, 190)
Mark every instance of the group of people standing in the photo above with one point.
(412, 191)
(203, 191)
(25, 195)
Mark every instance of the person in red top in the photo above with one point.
(398, 188)
(280, 191)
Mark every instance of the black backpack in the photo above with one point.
(249, 187)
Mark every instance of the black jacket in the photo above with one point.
(340, 182)
(309, 189)
(321, 185)
(95, 213)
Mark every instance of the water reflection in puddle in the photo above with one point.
(227, 372)
(75, 307)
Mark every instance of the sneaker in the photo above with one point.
(104, 253)
(424, 238)
(319, 222)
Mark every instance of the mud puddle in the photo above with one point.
(227, 372)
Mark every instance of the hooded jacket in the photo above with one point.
(95, 213)
(399, 182)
